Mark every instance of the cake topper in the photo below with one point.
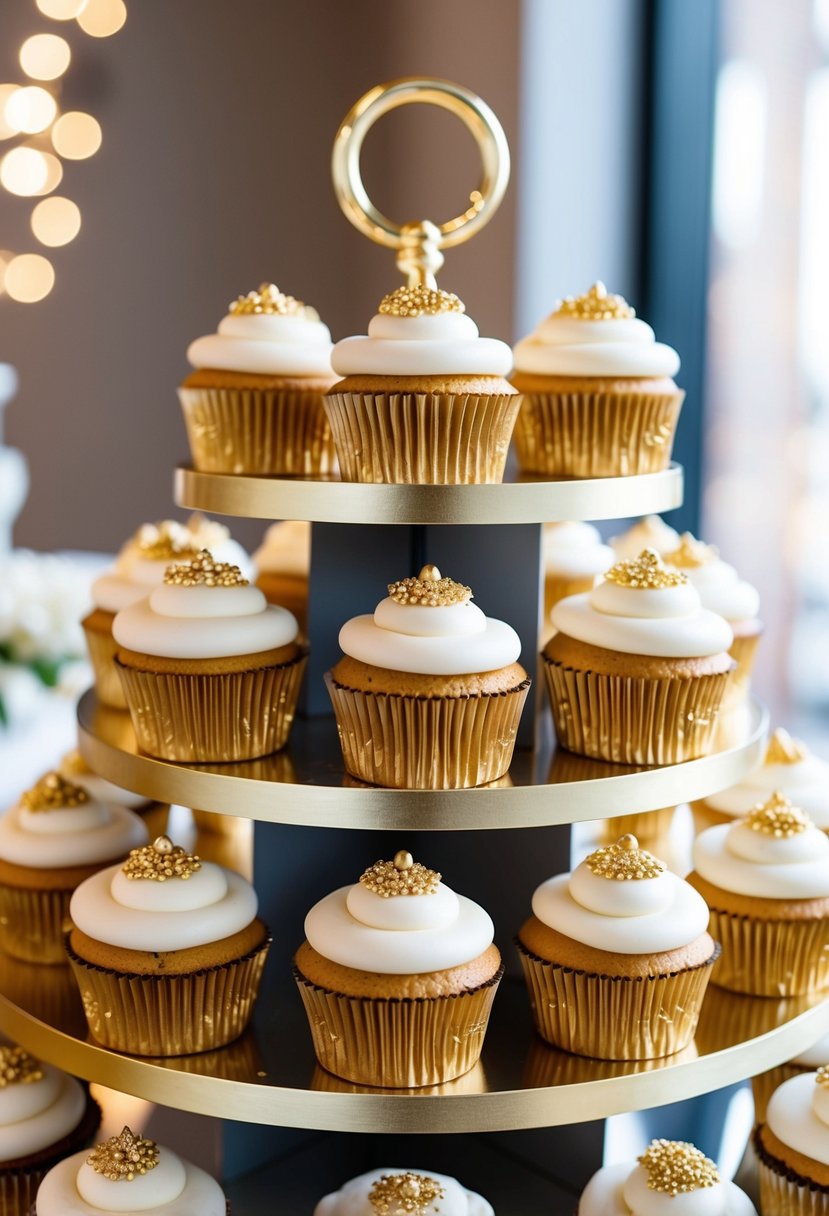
(54, 793)
(204, 571)
(675, 1167)
(783, 749)
(159, 861)
(624, 861)
(17, 1067)
(778, 817)
(595, 305)
(691, 553)
(270, 301)
(429, 590)
(121, 1157)
(401, 1194)
(647, 572)
(402, 876)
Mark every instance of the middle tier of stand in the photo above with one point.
(305, 784)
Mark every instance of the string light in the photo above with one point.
(102, 18)
(29, 277)
(76, 135)
(56, 221)
(30, 109)
(45, 56)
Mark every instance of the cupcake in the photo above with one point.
(392, 1192)
(398, 975)
(671, 1178)
(788, 766)
(423, 398)
(210, 534)
(55, 837)
(152, 814)
(764, 1085)
(792, 1148)
(128, 1173)
(574, 557)
(168, 952)
(210, 670)
(283, 565)
(430, 692)
(253, 404)
(766, 880)
(649, 532)
(723, 591)
(44, 1114)
(617, 956)
(638, 668)
(599, 398)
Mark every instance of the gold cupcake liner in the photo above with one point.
(612, 1018)
(743, 651)
(427, 743)
(102, 648)
(634, 719)
(472, 1082)
(238, 715)
(556, 588)
(422, 438)
(770, 957)
(279, 432)
(398, 1044)
(764, 1085)
(169, 1015)
(596, 434)
(646, 826)
(546, 1067)
(783, 1192)
(33, 922)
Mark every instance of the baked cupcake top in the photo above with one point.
(775, 852)
(421, 331)
(649, 532)
(285, 549)
(720, 587)
(575, 550)
(623, 899)
(204, 609)
(57, 824)
(641, 607)
(163, 898)
(815, 1056)
(399, 919)
(39, 1104)
(798, 1114)
(74, 769)
(266, 333)
(428, 625)
(596, 334)
(671, 1178)
(789, 766)
(397, 1192)
(129, 1173)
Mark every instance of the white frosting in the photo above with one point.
(210, 534)
(664, 623)
(735, 858)
(352, 1198)
(814, 1056)
(204, 622)
(166, 919)
(443, 345)
(650, 532)
(98, 787)
(422, 936)
(112, 592)
(265, 344)
(37, 1114)
(60, 1192)
(798, 1115)
(722, 590)
(622, 1190)
(579, 346)
(285, 549)
(805, 784)
(76, 836)
(575, 550)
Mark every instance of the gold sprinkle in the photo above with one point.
(121, 1158)
(778, 818)
(691, 553)
(74, 763)
(645, 572)
(54, 793)
(17, 1067)
(822, 1077)
(164, 541)
(204, 571)
(420, 301)
(429, 590)
(595, 305)
(676, 1167)
(398, 1194)
(624, 861)
(270, 301)
(783, 749)
(403, 876)
(159, 861)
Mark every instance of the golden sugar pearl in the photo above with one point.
(406, 1194)
(778, 817)
(204, 571)
(17, 1067)
(388, 878)
(160, 861)
(420, 301)
(645, 572)
(54, 793)
(675, 1167)
(121, 1158)
(595, 305)
(403, 860)
(429, 590)
(783, 749)
(624, 861)
(270, 301)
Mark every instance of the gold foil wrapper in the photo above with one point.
(276, 432)
(634, 719)
(102, 648)
(596, 434)
(398, 1044)
(743, 651)
(785, 1193)
(610, 1018)
(770, 957)
(32, 923)
(427, 743)
(546, 1067)
(169, 1015)
(764, 1085)
(237, 715)
(422, 438)
(646, 826)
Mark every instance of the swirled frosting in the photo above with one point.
(775, 852)
(173, 1188)
(421, 332)
(39, 1105)
(393, 925)
(815, 1056)
(595, 335)
(75, 768)
(798, 1114)
(209, 534)
(149, 905)
(266, 333)
(624, 900)
(285, 549)
(450, 636)
(200, 614)
(720, 587)
(649, 532)
(623, 1190)
(788, 766)
(377, 1194)
(642, 608)
(575, 550)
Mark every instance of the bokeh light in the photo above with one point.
(61, 10)
(56, 221)
(6, 256)
(101, 18)
(30, 109)
(29, 277)
(45, 56)
(54, 172)
(6, 91)
(24, 171)
(76, 135)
